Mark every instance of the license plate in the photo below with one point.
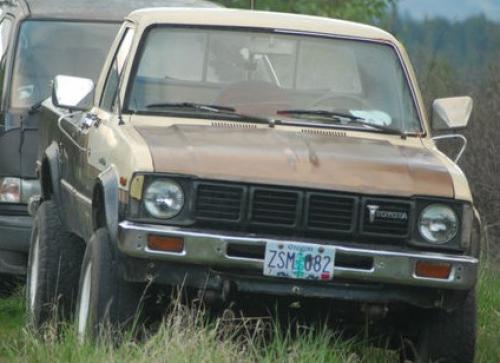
(299, 261)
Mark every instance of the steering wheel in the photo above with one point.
(254, 97)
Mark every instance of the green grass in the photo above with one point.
(186, 337)
(488, 348)
(11, 317)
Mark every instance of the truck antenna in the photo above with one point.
(252, 4)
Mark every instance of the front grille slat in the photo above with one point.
(219, 202)
(328, 218)
(331, 212)
(274, 207)
(320, 209)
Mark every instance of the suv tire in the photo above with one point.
(445, 337)
(105, 300)
(53, 268)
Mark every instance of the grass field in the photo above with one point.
(186, 337)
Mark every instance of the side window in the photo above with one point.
(5, 28)
(115, 73)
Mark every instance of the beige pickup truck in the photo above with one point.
(238, 152)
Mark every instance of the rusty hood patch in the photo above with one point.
(271, 156)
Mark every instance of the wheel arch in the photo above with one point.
(105, 204)
(50, 175)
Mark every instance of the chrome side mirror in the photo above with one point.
(73, 93)
(451, 113)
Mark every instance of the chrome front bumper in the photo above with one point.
(207, 249)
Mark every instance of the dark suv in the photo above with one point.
(38, 40)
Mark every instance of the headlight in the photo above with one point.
(15, 190)
(438, 224)
(164, 198)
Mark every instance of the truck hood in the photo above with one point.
(313, 160)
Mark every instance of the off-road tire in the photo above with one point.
(445, 337)
(106, 303)
(56, 255)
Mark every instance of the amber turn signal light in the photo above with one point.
(434, 270)
(165, 243)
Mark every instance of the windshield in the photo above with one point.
(48, 48)
(259, 73)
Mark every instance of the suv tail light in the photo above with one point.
(16, 190)
(10, 190)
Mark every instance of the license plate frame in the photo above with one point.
(299, 261)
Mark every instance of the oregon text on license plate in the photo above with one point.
(299, 260)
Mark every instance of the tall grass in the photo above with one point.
(186, 335)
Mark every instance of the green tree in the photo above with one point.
(357, 10)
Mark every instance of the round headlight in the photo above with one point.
(438, 224)
(164, 198)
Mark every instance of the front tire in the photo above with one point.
(53, 268)
(105, 300)
(445, 337)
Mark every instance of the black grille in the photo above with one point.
(274, 207)
(293, 212)
(331, 213)
(219, 202)
(386, 218)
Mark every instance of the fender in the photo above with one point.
(51, 158)
(108, 180)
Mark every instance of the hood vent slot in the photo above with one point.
(324, 132)
(233, 125)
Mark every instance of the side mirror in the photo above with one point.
(73, 93)
(451, 113)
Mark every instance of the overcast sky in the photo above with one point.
(451, 9)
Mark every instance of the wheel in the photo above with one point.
(444, 337)
(53, 268)
(105, 300)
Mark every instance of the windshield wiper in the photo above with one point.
(193, 105)
(223, 110)
(321, 113)
(381, 128)
(337, 117)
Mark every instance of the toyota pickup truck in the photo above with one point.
(239, 152)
